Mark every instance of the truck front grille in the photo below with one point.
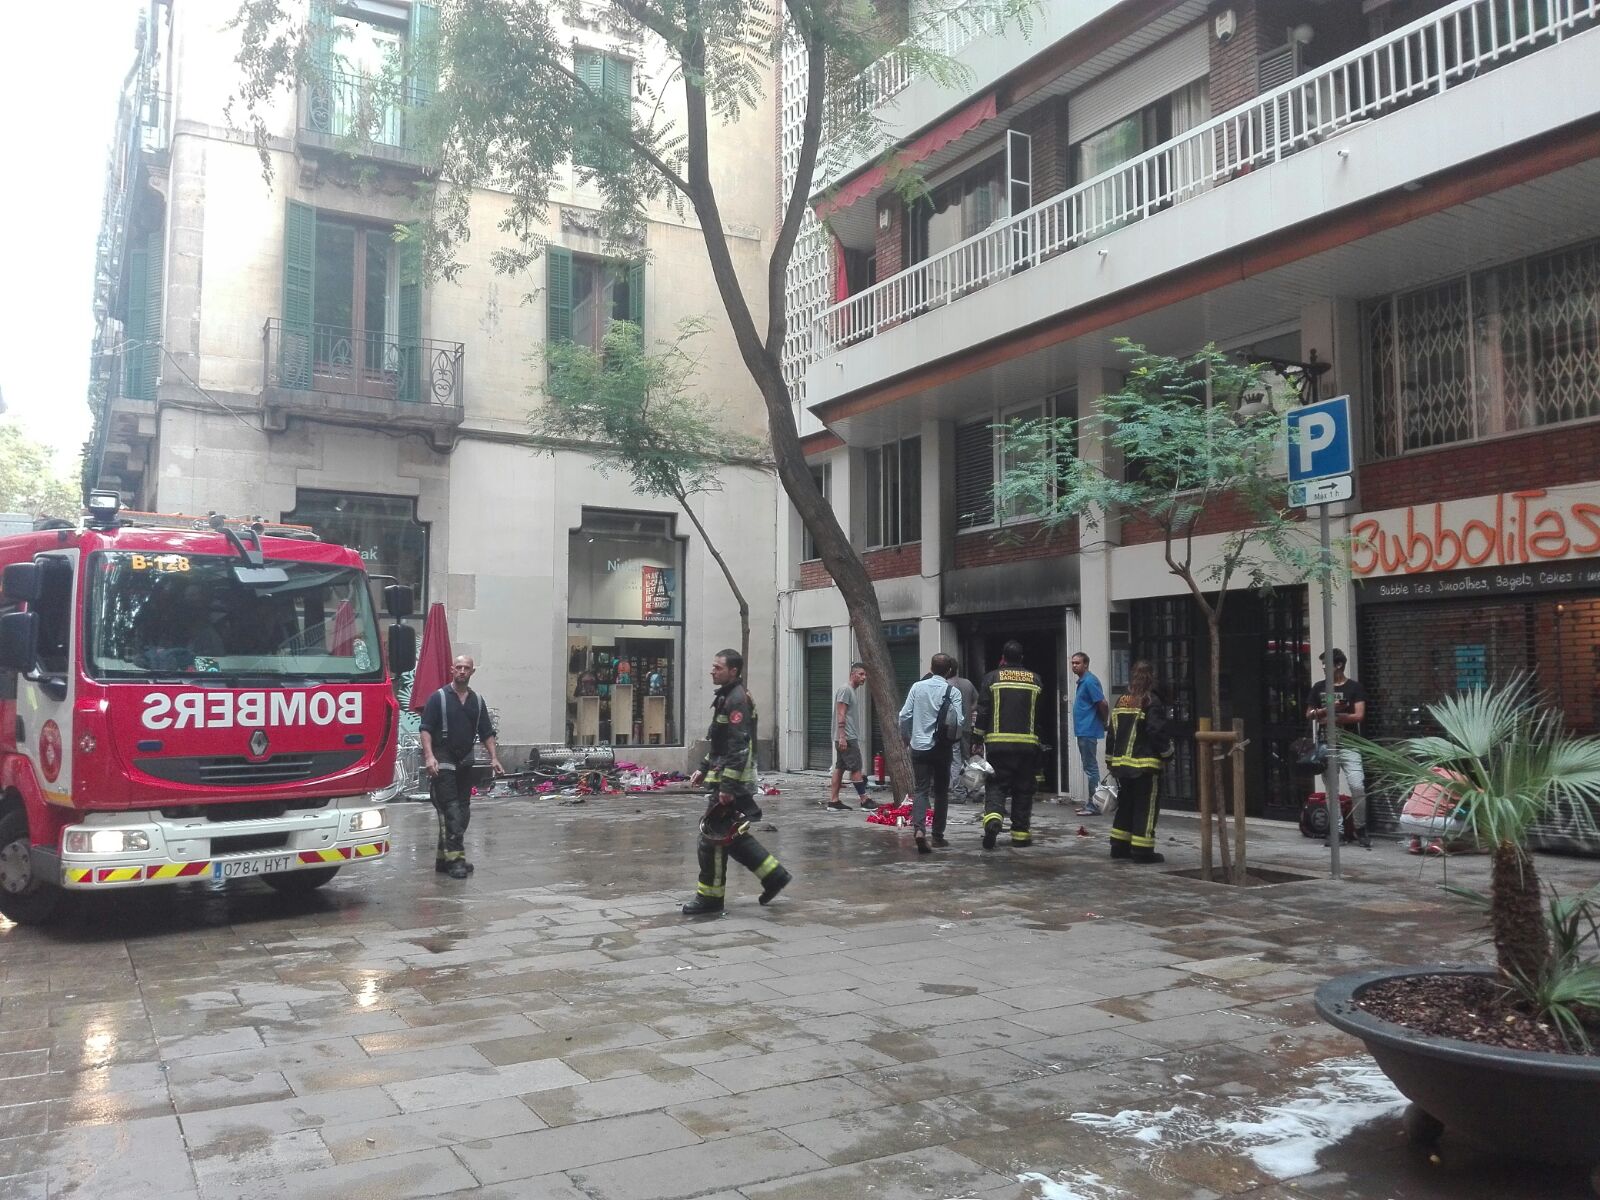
(238, 771)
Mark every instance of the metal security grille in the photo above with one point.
(819, 707)
(1511, 348)
(1414, 654)
(1164, 631)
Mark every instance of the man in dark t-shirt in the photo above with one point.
(454, 720)
(1349, 711)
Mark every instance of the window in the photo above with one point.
(585, 294)
(610, 79)
(55, 609)
(983, 458)
(1122, 198)
(955, 211)
(383, 530)
(352, 311)
(373, 67)
(625, 618)
(894, 493)
(822, 476)
(1502, 350)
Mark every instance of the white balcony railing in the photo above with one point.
(1439, 51)
(946, 31)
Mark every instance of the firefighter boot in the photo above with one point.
(775, 882)
(991, 829)
(703, 906)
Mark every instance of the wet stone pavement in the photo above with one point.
(1023, 1023)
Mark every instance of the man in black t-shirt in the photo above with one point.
(1349, 711)
(454, 720)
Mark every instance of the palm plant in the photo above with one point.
(1510, 761)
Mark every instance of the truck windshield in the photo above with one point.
(154, 615)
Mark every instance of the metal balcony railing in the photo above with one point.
(1442, 50)
(344, 362)
(361, 108)
(947, 32)
(155, 119)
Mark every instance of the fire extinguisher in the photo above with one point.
(877, 766)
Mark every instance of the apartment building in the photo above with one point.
(1391, 200)
(274, 350)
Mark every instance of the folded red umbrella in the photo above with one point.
(433, 658)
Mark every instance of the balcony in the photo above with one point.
(348, 377)
(371, 116)
(1354, 129)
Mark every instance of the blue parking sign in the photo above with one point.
(1319, 440)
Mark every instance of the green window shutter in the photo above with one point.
(636, 294)
(590, 68)
(558, 294)
(155, 274)
(617, 82)
(299, 274)
(422, 47)
(410, 320)
(319, 27)
(134, 324)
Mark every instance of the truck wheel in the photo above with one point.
(298, 883)
(23, 899)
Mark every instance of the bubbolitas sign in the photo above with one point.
(1536, 539)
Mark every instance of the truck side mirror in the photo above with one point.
(399, 601)
(21, 582)
(402, 648)
(19, 637)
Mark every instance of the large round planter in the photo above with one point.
(1530, 1104)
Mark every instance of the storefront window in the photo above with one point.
(384, 530)
(624, 630)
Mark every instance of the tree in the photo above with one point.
(632, 410)
(1177, 443)
(29, 480)
(509, 106)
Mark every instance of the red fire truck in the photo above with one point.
(189, 699)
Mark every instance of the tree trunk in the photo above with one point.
(1208, 755)
(733, 584)
(1516, 913)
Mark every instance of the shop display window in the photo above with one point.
(625, 608)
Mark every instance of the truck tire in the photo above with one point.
(298, 883)
(23, 899)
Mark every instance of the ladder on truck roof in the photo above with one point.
(186, 521)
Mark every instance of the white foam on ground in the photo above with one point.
(1282, 1137)
(1071, 1185)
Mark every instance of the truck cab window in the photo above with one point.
(54, 607)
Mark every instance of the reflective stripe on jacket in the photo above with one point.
(730, 761)
(1008, 707)
(1136, 739)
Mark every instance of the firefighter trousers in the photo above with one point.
(1133, 828)
(1015, 772)
(452, 799)
(743, 849)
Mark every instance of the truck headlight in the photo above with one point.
(105, 841)
(370, 818)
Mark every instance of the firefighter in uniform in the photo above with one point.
(1138, 740)
(729, 774)
(1007, 724)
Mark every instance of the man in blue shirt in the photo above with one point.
(1089, 712)
(931, 721)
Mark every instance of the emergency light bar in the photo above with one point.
(154, 520)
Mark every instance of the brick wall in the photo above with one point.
(892, 562)
(1549, 458)
(991, 548)
(1233, 63)
(1046, 125)
(891, 246)
(1223, 515)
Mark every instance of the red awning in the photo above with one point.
(934, 140)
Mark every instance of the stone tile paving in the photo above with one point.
(1039, 1023)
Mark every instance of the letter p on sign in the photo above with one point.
(1319, 440)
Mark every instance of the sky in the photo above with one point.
(57, 115)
